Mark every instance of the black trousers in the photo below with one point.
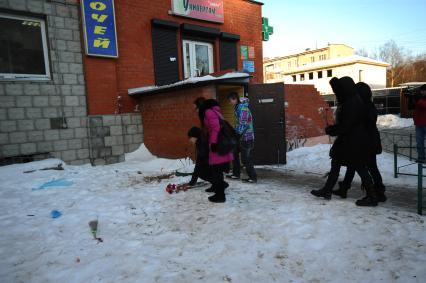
(245, 148)
(205, 174)
(372, 169)
(217, 177)
(333, 176)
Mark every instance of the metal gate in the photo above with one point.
(267, 106)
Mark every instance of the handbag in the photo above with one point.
(227, 138)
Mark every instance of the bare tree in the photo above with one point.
(362, 52)
(413, 70)
(397, 57)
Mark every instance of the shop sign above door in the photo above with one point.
(207, 10)
(100, 34)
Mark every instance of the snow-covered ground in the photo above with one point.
(274, 231)
(391, 121)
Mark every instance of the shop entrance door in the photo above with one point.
(267, 107)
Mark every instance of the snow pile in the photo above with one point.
(32, 166)
(191, 80)
(391, 121)
(144, 161)
(313, 159)
(142, 154)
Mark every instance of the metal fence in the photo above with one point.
(403, 143)
(404, 138)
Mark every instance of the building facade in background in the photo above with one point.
(66, 67)
(317, 67)
(177, 44)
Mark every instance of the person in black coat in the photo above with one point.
(202, 168)
(351, 145)
(375, 147)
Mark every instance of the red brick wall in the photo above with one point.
(106, 79)
(303, 119)
(167, 117)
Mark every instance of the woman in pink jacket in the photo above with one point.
(210, 115)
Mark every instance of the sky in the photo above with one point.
(361, 24)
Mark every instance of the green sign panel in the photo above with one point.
(266, 29)
(244, 52)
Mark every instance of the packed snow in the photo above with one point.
(391, 121)
(274, 231)
(153, 164)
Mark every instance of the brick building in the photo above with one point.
(43, 94)
(160, 49)
(87, 81)
(307, 113)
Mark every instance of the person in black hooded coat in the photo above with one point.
(375, 147)
(351, 145)
(202, 168)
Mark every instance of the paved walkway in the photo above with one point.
(399, 198)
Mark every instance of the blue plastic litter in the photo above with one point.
(55, 213)
(54, 183)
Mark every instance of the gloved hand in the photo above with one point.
(330, 130)
(213, 147)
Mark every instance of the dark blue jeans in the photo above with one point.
(420, 140)
(245, 149)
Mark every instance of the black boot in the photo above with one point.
(218, 197)
(212, 190)
(322, 193)
(225, 185)
(370, 199)
(380, 191)
(342, 191)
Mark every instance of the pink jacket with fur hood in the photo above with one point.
(212, 124)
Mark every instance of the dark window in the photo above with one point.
(311, 76)
(329, 73)
(294, 78)
(320, 75)
(23, 48)
(302, 77)
(228, 55)
(164, 45)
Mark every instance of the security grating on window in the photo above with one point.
(23, 48)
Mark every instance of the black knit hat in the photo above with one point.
(199, 101)
(194, 132)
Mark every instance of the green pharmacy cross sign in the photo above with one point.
(266, 29)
